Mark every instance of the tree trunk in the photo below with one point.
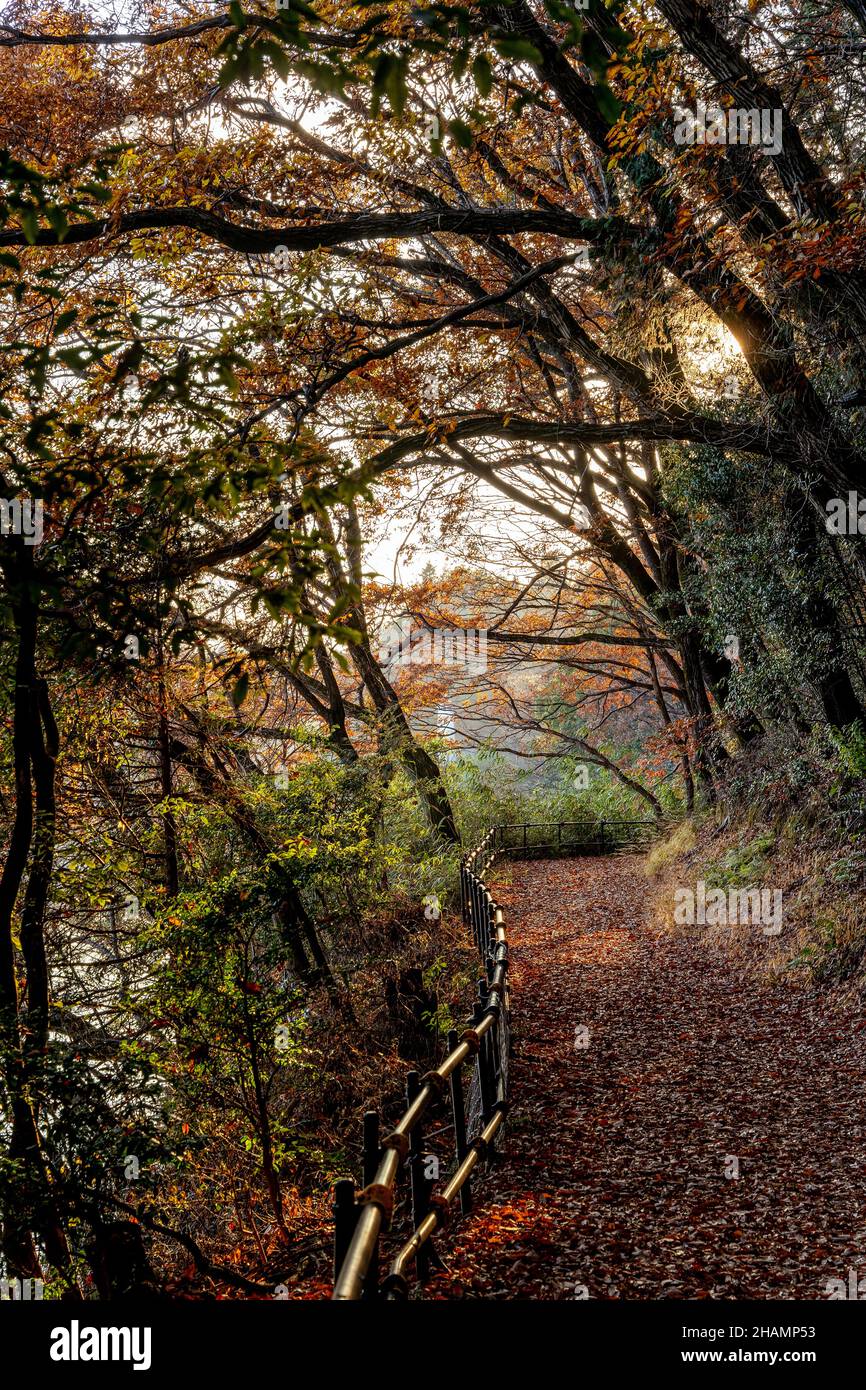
(29, 1203)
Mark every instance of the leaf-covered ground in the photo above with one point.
(614, 1176)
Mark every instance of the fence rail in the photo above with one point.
(476, 1116)
(574, 837)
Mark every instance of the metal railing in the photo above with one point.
(574, 837)
(361, 1218)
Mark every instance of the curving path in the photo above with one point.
(614, 1176)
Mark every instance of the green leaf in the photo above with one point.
(483, 75)
(227, 377)
(461, 61)
(389, 79)
(280, 61)
(609, 105)
(240, 691)
(76, 358)
(461, 133)
(518, 49)
(594, 52)
(566, 14)
(396, 86)
(30, 225)
(58, 220)
(64, 321)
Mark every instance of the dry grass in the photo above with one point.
(822, 878)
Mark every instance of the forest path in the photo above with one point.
(614, 1170)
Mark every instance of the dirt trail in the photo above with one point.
(614, 1172)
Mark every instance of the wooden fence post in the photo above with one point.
(458, 1111)
(371, 1163)
(484, 1077)
(345, 1214)
(419, 1185)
